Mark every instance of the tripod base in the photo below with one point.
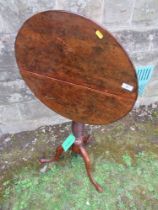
(78, 148)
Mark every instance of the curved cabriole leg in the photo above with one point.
(86, 159)
(58, 153)
(77, 147)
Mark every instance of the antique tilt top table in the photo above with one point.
(79, 70)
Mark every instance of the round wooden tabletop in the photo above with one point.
(76, 67)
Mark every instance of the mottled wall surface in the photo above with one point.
(133, 23)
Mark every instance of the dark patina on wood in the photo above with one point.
(79, 70)
(74, 72)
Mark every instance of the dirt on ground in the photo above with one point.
(136, 132)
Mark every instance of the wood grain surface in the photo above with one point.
(74, 71)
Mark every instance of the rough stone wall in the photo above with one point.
(133, 23)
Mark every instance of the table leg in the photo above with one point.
(81, 150)
(77, 147)
(58, 153)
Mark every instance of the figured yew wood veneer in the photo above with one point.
(72, 70)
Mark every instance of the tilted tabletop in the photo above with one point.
(76, 67)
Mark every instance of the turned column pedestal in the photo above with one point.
(77, 147)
